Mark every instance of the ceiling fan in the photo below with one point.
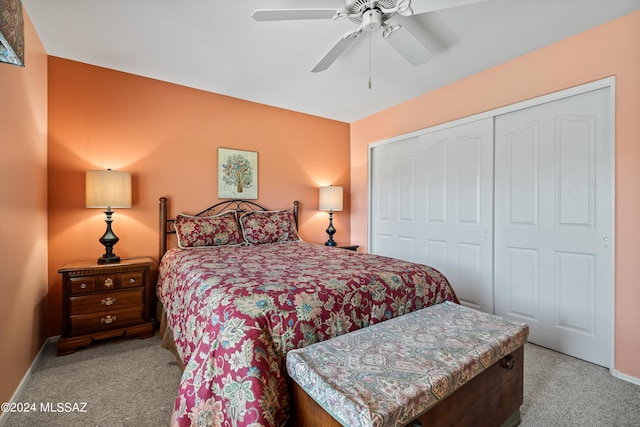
(371, 16)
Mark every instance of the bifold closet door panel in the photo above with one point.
(432, 202)
(553, 223)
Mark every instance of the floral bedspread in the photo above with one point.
(391, 373)
(236, 311)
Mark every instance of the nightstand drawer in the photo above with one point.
(129, 280)
(106, 301)
(81, 285)
(106, 320)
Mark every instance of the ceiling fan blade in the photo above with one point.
(417, 7)
(293, 14)
(407, 45)
(337, 49)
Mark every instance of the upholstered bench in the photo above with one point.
(442, 365)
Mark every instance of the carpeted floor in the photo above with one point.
(131, 382)
(560, 390)
(124, 382)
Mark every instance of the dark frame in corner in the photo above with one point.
(12, 32)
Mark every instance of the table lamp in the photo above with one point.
(108, 189)
(330, 200)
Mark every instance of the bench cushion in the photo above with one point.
(390, 373)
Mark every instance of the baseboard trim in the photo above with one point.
(14, 399)
(625, 377)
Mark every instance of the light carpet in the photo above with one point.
(131, 382)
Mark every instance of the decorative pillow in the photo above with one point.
(268, 227)
(200, 231)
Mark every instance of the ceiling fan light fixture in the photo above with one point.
(371, 20)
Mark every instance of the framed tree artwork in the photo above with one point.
(237, 174)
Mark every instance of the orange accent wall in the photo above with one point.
(611, 49)
(167, 137)
(23, 212)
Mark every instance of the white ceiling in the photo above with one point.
(215, 45)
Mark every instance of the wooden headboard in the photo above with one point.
(167, 226)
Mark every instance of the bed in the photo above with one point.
(233, 306)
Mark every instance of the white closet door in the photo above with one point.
(553, 225)
(431, 203)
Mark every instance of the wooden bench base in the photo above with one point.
(491, 399)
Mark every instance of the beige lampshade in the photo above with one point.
(108, 189)
(330, 198)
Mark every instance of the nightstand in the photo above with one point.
(349, 247)
(105, 300)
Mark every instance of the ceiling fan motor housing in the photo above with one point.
(371, 20)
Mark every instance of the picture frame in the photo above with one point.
(11, 32)
(237, 174)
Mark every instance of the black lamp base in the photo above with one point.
(108, 239)
(331, 231)
(109, 260)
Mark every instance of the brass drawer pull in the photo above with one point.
(109, 301)
(83, 286)
(132, 281)
(108, 283)
(108, 319)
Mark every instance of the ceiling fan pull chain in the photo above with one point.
(369, 60)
